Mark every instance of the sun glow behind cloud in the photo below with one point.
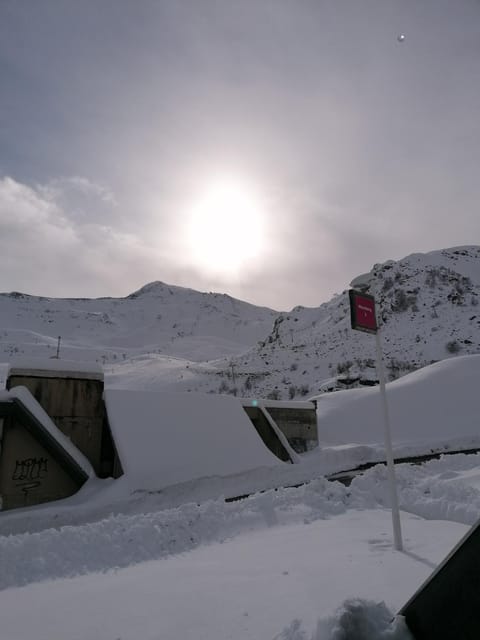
(226, 228)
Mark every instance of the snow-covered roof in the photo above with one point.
(168, 438)
(55, 368)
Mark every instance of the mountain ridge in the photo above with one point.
(211, 342)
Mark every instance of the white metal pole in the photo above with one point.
(397, 531)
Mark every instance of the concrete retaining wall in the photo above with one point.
(37, 463)
(28, 472)
(73, 400)
(296, 420)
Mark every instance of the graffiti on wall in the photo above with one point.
(29, 473)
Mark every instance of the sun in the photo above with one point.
(226, 228)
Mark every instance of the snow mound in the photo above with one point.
(123, 540)
(429, 406)
(356, 619)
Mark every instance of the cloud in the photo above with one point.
(71, 237)
(48, 249)
(77, 193)
(66, 238)
(366, 148)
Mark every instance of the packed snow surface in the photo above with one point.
(276, 565)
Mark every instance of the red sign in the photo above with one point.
(362, 311)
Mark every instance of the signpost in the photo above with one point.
(363, 318)
(362, 311)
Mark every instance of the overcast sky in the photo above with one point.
(348, 146)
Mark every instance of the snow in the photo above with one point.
(55, 368)
(168, 438)
(428, 305)
(427, 408)
(362, 280)
(159, 554)
(241, 570)
(224, 457)
(158, 319)
(252, 585)
(174, 339)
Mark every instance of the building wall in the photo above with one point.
(298, 425)
(75, 405)
(28, 472)
(267, 434)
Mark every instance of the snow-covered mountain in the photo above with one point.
(162, 336)
(428, 305)
(157, 318)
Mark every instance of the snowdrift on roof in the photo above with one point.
(168, 438)
(55, 368)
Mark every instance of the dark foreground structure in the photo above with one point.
(447, 605)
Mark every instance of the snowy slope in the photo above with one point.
(428, 305)
(158, 318)
(169, 338)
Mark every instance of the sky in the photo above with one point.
(268, 149)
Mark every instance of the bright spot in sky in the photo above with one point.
(226, 228)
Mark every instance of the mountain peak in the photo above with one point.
(157, 286)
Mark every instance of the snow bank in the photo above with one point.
(429, 406)
(356, 619)
(120, 541)
(249, 587)
(124, 540)
(445, 489)
(168, 438)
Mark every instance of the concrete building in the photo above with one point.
(71, 393)
(296, 420)
(37, 463)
